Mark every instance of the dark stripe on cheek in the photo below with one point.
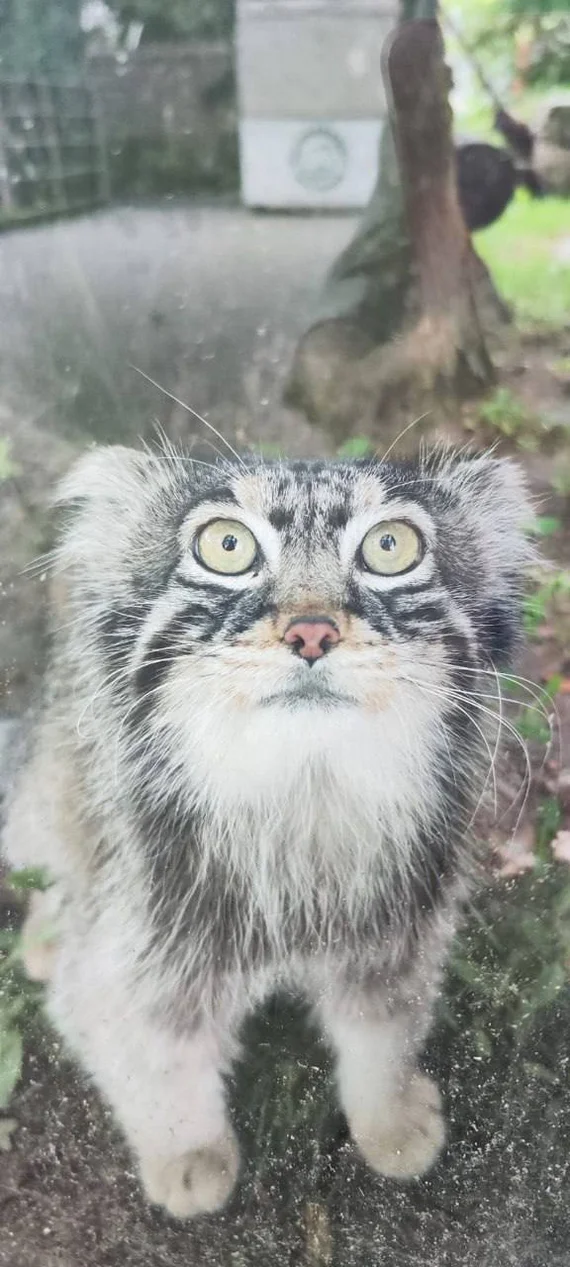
(118, 629)
(180, 636)
(255, 605)
(368, 606)
(380, 620)
(459, 656)
(175, 639)
(199, 612)
(160, 654)
(499, 627)
(410, 590)
(430, 612)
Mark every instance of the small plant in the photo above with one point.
(534, 724)
(505, 413)
(533, 727)
(548, 822)
(356, 447)
(561, 368)
(27, 879)
(545, 526)
(267, 449)
(513, 958)
(549, 600)
(19, 998)
(8, 468)
(561, 477)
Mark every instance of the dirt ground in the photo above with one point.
(209, 301)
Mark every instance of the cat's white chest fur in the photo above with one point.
(377, 761)
(305, 803)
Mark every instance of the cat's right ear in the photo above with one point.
(101, 504)
(104, 473)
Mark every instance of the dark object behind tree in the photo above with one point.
(487, 177)
(517, 135)
(486, 181)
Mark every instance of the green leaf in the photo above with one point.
(540, 1072)
(553, 685)
(505, 412)
(545, 526)
(510, 685)
(28, 878)
(7, 1127)
(11, 1051)
(548, 819)
(356, 447)
(531, 725)
(7, 466)
(482, 1042)
(534, 612)
(8, 940)
(562, 906)
(548, 985)
(267, 449)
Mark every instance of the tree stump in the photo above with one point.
(414, 340)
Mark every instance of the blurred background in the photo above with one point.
(265, 207)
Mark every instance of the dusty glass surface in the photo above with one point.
(257, 228)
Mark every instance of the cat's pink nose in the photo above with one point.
(311, 637)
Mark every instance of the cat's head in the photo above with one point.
(302, 603)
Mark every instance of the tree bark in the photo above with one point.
(441, 246)
(407, 307)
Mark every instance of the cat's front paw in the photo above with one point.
(198, 1182)
(411, 1133)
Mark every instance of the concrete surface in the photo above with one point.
(208, 300)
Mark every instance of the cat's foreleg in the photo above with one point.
(164, 1082)
(394, 1110)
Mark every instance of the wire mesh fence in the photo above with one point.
(52, 150)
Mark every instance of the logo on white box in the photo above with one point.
(319, 159)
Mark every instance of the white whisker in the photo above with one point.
(190, 410)
(404, 432)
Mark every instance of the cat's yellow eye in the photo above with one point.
(226, 546)
(391, 547)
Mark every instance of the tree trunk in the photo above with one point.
(403, 322)
(441, 246)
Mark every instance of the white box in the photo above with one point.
(292, 163)
(311, 99)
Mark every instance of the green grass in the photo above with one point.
(510, 963)
(19, 997)
(520, 251)
(505, 413)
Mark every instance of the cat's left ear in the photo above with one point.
(497, 520)
(115, 507)
(494, 493)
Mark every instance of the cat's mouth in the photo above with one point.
(307, 690)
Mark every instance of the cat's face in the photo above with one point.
(298, 607)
